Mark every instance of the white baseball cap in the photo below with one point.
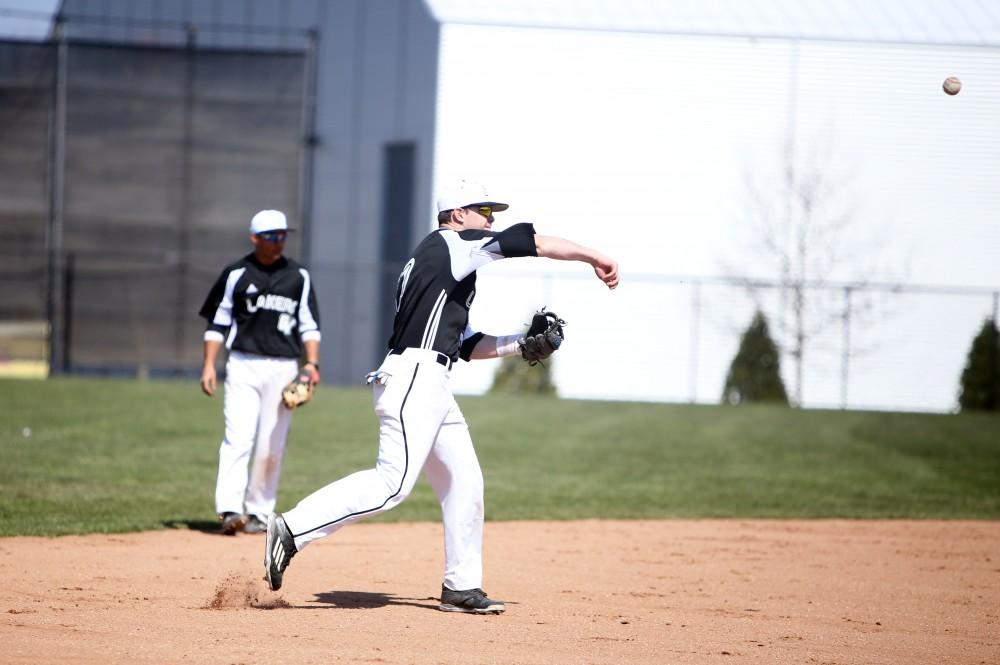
(268, 220)
(465, 194)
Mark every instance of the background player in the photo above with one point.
(421, 425)
(263, 308)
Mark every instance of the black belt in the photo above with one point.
(440, 360)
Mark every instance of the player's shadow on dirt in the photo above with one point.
(365, 600)
(205, 526)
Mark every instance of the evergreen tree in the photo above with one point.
(755, 373)
(980, 385)
(517, 376)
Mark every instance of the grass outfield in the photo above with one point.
(107, 455)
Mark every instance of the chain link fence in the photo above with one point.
(128, 176)
(656, 338)
(673, 338)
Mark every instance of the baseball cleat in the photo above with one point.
(278, 550)
(473, 601)
(255, 525)
(232, 522)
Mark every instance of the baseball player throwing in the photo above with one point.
(263, 308)
(421, 427)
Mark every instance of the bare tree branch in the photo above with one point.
(804, 220)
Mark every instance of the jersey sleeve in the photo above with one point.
(308, 310)
(213, 298)
(472, 249)
(517, 240)
(210, 308)
(218, 306)
(468, 342)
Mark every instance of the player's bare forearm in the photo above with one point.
(561, 249)
(485, 348)
(208, 377)
(493, 346)
(312, 357)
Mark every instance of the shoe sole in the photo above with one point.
(493, 609)
(235, 525)
(271, 550)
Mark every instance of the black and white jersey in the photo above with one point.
(438, 284)
(267, 310)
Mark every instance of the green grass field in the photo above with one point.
(108, 455)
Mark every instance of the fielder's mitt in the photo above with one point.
(299, 391)
(544, 336)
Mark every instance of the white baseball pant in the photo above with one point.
(256, 422)
(420, 428)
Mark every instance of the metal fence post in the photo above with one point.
(55, 309)
(184, 221)
(994, 349)
(69, 281)
(693, 360)
(308, 144)
(845, 358)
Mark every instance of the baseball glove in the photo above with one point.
(299, 391)
(544, 336)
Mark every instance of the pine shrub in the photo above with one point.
(980, 384)
(516, 376)
(755, 373)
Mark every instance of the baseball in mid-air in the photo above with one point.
(952, 85)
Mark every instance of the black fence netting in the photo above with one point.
(127, 180)
(27, 73)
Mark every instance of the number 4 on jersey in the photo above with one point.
(286, 324)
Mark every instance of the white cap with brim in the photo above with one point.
(466, 194)
(268, 220)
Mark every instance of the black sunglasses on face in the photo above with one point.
(273, 236)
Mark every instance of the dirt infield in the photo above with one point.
(712, 591)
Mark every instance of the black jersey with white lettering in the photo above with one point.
(438, 284)
(267, 310)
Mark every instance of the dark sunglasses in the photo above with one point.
(273, 236)
(485, 211)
